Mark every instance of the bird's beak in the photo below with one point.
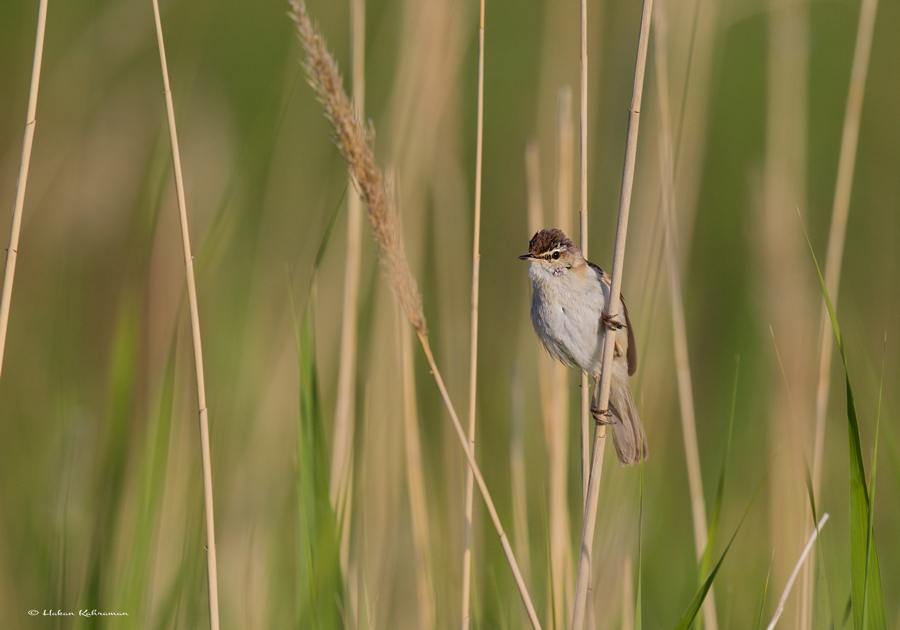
(527, 257)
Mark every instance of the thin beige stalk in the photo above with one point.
(354, 143)
(195, 334)
(790, 582)
(12, 251)
(612, 310)
(346, 386)
(473, 347)
(839, 213)
(627, 596)
(533, 180)
(345, 520)
(418, 506)
(679, 329)
(557, 418)
(835, 252)
(486, 495)
(583, 234)
(518, 482)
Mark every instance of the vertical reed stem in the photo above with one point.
(583, 233)
(12, 251)
(473, 348)
(346, 387)
(418, 506)
(195, 334)
(556, 417)
(590, 516)
(679, 329)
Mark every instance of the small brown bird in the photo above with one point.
(567, 311)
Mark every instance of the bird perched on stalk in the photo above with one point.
(568, 313)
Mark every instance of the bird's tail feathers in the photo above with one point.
(628, 433)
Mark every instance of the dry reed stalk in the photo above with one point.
(839, 214)
(583, 238)
(787, 588)
(533, 180)
(784, 294)
(518, 481)
(627, 595)
(346, 386)
(679, 329)
(473, 347)
(583, 241)
(835, 252)
(353, 141)
(345, 520)
(557, 419)
(195, 334)
(415, 480)
(612, 309)
(548, 371)
(12, 251)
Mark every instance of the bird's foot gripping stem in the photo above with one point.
(610, 322)
(602, 416)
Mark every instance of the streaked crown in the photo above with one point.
(545, 242)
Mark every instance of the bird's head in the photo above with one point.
(551, 253)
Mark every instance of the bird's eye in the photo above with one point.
(556, 255)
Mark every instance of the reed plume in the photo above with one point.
(354, 140)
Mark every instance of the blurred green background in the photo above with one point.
(101, 503)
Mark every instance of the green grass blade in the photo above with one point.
(870, 534)
(868, 601)
(153, 477)
(688, 617)
(320, 584)
(720, 490)
(762, 601)
(638, 622)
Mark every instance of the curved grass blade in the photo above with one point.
(762, 602)
(720, 491)
(865, 574)
(688, 617)
(870, 534)
(319, 586)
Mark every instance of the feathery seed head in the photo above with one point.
(354, 141)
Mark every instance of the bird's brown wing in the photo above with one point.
(631, 353)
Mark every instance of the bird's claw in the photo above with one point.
(602, 416)
(612, 323)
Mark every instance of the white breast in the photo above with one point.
(566, 313)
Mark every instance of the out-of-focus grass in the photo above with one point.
(865, 574)
(98, 303)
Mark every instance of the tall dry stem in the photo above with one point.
(13, 249)
(583, 242)
(354, 144)
(473, 346)
(556, 414)
(415, 480)
(612, 309)
(679, 329)
(518, 484)
(835, 252)
(195, 335)
(346, 386)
